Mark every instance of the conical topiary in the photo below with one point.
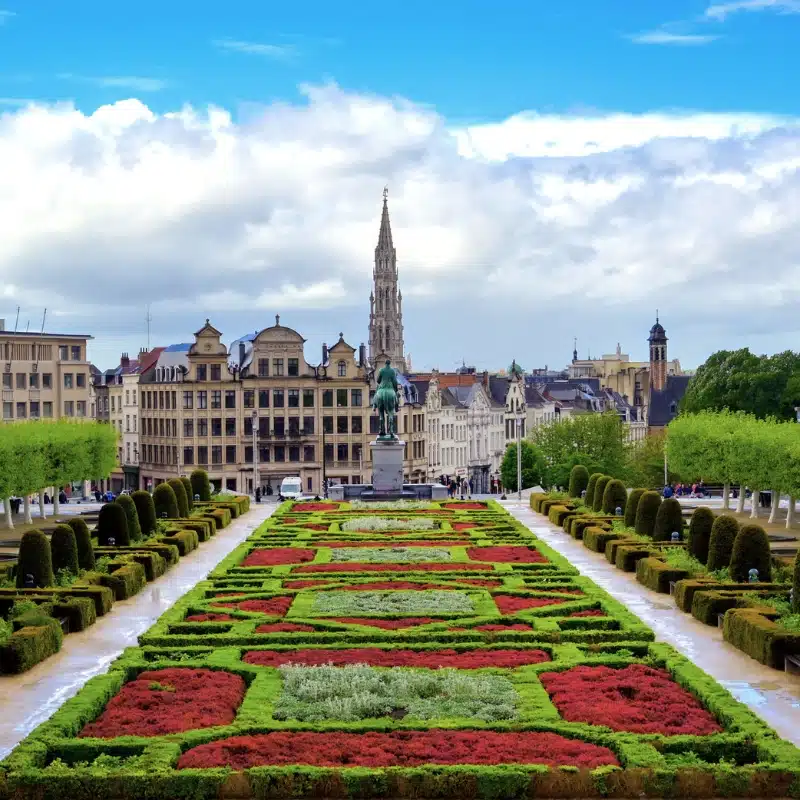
(751, 551)
(112, 523)
(631, 507)
(700, 533)
(599, 491)
(83, 542)
(578, 480)
(615, 496)
(668, 520)
(720, 546)
(588, 501)
(64, 549)
(129, 507)
(200, 484)
(165, 502)
(35, 561)
(146, 511)
(646, 513)
(180, 496)
(187, 486)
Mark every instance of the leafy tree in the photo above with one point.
(646, 462)
(532, 466)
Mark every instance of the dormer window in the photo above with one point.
(673, 408)
(341, 369)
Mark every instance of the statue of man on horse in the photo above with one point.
(386, 402)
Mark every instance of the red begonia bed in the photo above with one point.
(386, 624)
(400, 748)
(497, 626)
(463, 526)
(284, 627)
(509, 604)
(431, 659)
(276, 556)
(507, 555)
(275, 605)
(166, 701)
(636, 698)
(380, 585)
(384, 543)
(408, 567)
(312, 507)
(209, 618)
(592, 612)
(465, 506)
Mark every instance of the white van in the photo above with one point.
(291, 488)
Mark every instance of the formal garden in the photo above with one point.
(434, 650)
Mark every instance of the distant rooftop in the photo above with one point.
(177, 348)
(35, 334)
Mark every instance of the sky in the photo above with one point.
(555, 171)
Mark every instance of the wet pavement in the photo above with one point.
(773, 695)
(29, 699)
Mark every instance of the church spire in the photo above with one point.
(385, 246)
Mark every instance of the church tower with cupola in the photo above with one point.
(658, 356)
(386, 301)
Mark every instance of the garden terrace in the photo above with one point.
(506, 674)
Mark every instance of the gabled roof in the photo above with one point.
(208, 328)
(664, 404)
(498, 389)
(177, 348)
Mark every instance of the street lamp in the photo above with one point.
(519, 458)
(255, 451)
(324, 475)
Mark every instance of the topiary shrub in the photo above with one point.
(180, 496)
(145, 511)
(646, 513)
(599, 491)
(700, 533)
(129, 507)
(668, 519)
(83, 542)
(200, 484)
(187, 487)
(35, 560)
(751, 551)
(631, 507)
(796, 585)
(112, 523)
(590, 487)
(578, 480)
(615, 496)
(165, 502)
(720, 546)
(64, 549)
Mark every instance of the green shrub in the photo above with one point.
(187, 487)
(657, 575)
(751, 551)
(83, 542)
(165, 502)
(200, 484)
(132, 515)
(700, 533)
(180, 496)
(720, 546)
(30, 645)
(112, 523)
(578, 480)
(646, 513)
(146, 511)
(593, 478)
(615, 496)
(668, 519)
(632, 506)
(599, 491)
(35, 559)
(796, 585)
(64, 549)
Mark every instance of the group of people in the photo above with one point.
(685, 490)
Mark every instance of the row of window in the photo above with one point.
(276, 426)
(37, 410)
(44, 380)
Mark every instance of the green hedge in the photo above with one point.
(720, 546)
(656, 574)
(29, 646)
(632, 506)
(578, 480)
(756, 632)
(646, 513)
(599, 492)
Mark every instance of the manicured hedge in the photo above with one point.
(646, 513)
(131, 514)
(669, 520)
(700, 526)
(599, 492)
(578, 480)
(615, 496)
(720, 546)
(35, 563)
(632, 506)
(751, 551)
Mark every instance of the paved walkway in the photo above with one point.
(29, 699)
(773, 695)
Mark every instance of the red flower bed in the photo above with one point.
(209, 618)
(509, 604)
(166, 701)
(637, 698)
(496, 626)
(463, 526)
(305, 584)
(384, 543)
(234, 594)
(315, 526)
(386, 624)
(430, 659)
(396, 749)
(315, 507)
(576, 592)
(507, 555)
(592, 612)
(360, 587)
(284, 627)
(288, 521)
(275, 556)
(465, 506)
(418, 567)
(275, 605)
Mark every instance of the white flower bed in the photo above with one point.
(392, 505)
(403, 602)
(389, 555)
(356, 692)
(383, 524)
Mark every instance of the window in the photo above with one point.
(47, 380)
(355, 425)
(127, 423)
(294, 426)
(202, 399)
(277, 367)
(63, 352)
(76, 352)
(279, 425)
(249, 398)
(216, 372)
(161, 427)
(342, 452)
(374, 424)
(341, 369)
(68, 380)
(327, 424)
(327, 398)
(202, 427)
(202, 372)
(263, 398)
(69, 408)
(188, 399)
(216, 426)
(34, 409)
(7, 383)
(47, 409)
(308, 426)
(216, 399)
(22, 410)
(293, 367)
(294, 454)
(263, 367)
(308, 398)
(341, 398)
(280, 453)
(357, 452)
(22, 380)
(230, 398)
(308, 452)
(230, 453)
(8, 411)
(248, 454)
(188, 455)
(277, 398)
(81, 408)
(202, 455)
(355, 398)
(188, 428)
(328, 453)
(341, 424)
(80, 381)
(293, 399)
(230, 426)
(263, 426)
(248, 426)
(263, 454)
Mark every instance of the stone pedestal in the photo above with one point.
(387, 465)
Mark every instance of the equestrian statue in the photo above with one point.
(386, 402)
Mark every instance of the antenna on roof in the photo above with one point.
(16, 323)
(44, 316)
(148, 319)
(27, 326)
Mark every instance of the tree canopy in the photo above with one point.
(532, 467)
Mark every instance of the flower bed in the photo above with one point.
(275, 605)
(387, 524)
(509, 604)
(393, 567)
(284, 627)
(278, 555)
(506, 555)
(386, 624)
(418, 543)
(315, 507)
(399, 555)
(431, 601)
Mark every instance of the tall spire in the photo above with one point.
(385, 236)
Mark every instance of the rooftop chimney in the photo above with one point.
(324, 353)
(486, 379)
(125, 361)
(241, 354)
(362, 354)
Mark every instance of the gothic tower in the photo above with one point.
(658, 356)
(386, 301)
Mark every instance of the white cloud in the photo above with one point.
(511, 237)
(667, 38)
(6, 15)
(134, 83)
(720, 11)
(279, 52)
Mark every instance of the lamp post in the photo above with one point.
(324, 475)
(519, 458)
(255, 451)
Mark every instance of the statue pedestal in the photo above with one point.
(387, 465)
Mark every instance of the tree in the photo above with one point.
(64, 549)
(146, 511)
(129, 507)
(35, 562)
(532, 466)
(201, 486)
(646, 462)
(751, 551)
(700, 533)
(578, 480)
(180, 496)
(165, 501)
(615, 496)
(669, 520)
(112, 524)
